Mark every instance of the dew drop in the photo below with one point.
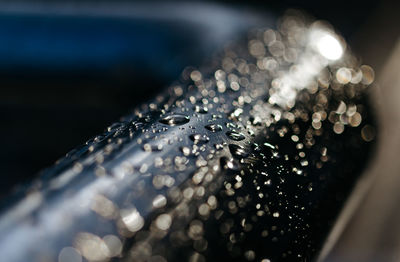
(214, 127)
(201, 109)
(116, 126)
(238, 151)
(132, 219)
(218, 146)
(269, 145)
(174, 120)
(159, 201)
(185, 150)
(163, 221)
(152, 147)
(199, 139)
(141, 122)
(228, 163)
(235, 135)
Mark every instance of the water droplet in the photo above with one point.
(227, 163)
(214, 127)
(235, 135)
(201, 109)
(256, 121)
(235, 114)
(174, 120)
(132, 219)
(152, 147)
(269, 145)
(141, 122)
(116, 126)
(238, 151)
(199, 139)
(256, 147)
(186, 150)
(159, 201)
(137, 125)
(218, 146)
(163, 221)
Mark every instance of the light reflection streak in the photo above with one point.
(322, 49)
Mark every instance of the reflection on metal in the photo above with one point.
(249, 158)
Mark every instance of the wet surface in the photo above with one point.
(248, 159)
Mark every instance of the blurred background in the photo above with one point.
(68, 69)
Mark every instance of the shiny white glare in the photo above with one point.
(325, 49)
(329, 47)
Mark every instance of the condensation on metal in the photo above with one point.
(233, 162)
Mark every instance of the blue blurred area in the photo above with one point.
(84, 39)
(79, 43)
(90, 45)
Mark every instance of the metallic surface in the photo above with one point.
(248, 158)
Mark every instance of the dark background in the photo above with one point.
(66, 74)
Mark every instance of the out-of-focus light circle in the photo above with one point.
(325, 42)
(329, 47)
(343, 75)
(368, 74)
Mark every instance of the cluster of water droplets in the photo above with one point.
(234, 163)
